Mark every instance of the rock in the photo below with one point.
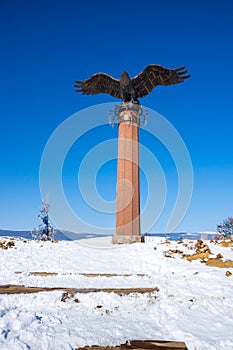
(10, 244)
(219, 263)
(7, 244)
(175, 251)
(201, 247)
(168, 255)
(166, 242)
(65, 296)
(226, 243)
(196, 256)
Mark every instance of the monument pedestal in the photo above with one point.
(128, 182)
(124, 239)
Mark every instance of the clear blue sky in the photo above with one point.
(46, 45)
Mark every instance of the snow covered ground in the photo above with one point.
(193, 304)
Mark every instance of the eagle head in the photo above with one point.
(125, 78)
(124, 74)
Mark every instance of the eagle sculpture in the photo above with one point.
(131, 89)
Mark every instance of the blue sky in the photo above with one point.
(46, 45)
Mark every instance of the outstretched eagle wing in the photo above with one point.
(99, 83)
(154, 75)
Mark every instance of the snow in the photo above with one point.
(193, 304)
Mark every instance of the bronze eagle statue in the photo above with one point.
(131, 89)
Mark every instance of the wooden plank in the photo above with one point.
(142, 345)
(157, 344)
(21, 289)
(44, 274)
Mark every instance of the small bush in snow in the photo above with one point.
(226, 227)
(45, 231)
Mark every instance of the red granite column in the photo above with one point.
(128, 182)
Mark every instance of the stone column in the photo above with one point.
(128, 182)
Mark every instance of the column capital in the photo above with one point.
(128, 112)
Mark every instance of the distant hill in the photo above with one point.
(61, 235)
(26, 234)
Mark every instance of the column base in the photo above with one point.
(124, 239)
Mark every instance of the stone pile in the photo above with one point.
(202, 252)
(5, 244)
